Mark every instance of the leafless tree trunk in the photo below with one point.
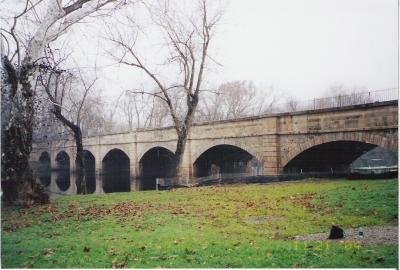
(79, 159)
(58, 84)
(188, 42)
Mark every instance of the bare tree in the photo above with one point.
(137, 109)
(46, 126)
(291, 104)
(159, 116)
(188, 39)
(237, 99)
(93, 118)
(211, 108)
(107, 116)
(338, 94)
(68, 94)
(145, 111)
(21, 48)
(131, 109)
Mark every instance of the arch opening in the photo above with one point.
(90, 171)
(226, 159)
(337, 158)
(155, 163)
(62, 170)
(44, 169)
(116, 172)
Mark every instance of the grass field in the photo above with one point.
(217, 226)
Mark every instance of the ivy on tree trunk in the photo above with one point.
(18, 183)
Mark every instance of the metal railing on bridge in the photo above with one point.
(347, 100)
(339, 101)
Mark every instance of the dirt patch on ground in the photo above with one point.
(385, 235)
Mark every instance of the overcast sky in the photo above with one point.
(304, 46)
(300, 46)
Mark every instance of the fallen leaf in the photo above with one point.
(48, 252)
(190, 251)
(112, 251)
(118, 264)
(177, 241)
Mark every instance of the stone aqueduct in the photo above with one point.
(273, 141)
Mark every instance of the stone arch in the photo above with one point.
(145, 149)
(44, 168)
(62, 170)
(90, 170)
(157, 162)
(226, 159)
(240, 143)
(107, 148)
(116, 171)
(387, 142)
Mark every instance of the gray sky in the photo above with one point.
(300, 46)
(304, 46)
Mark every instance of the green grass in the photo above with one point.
(218, 226)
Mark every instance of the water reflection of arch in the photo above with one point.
(62, 171)
(90, 170)
(116, 171)
(44, 169)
